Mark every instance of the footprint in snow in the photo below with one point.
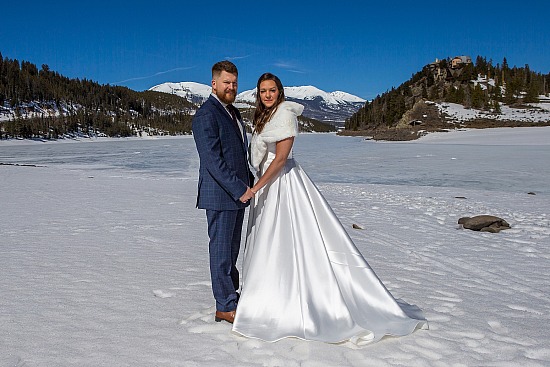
(162, 294)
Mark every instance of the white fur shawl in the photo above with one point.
(283, 124)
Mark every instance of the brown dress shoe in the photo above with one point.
(227, 316)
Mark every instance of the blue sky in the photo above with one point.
(360, 47)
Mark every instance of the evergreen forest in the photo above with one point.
(48, 105)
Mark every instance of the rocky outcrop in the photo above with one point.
(484, 223)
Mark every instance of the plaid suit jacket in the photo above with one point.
(224, 173)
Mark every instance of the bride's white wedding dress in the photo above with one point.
(302, 274)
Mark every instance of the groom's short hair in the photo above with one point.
(226, 66)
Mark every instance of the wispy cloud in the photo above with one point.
(153, 75)
(296, 71)
(290, 67)
(236, 57)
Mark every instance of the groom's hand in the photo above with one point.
(247, 195)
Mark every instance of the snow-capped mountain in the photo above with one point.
(333, 107)
(307, 93)
(193, 92)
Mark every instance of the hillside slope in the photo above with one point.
(456, 93)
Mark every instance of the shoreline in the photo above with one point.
(19, 142)
(430, 137)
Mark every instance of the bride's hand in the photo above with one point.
(247, 195)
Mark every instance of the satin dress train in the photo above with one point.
(304, 277)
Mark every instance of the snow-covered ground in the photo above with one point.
(533, 112)
(103, 256)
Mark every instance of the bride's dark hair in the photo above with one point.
(262, 113)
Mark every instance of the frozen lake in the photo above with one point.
(104, 261)
(519, 166)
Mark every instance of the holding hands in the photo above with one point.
(249, 194)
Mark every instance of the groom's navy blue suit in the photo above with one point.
(224, 177)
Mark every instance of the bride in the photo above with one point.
(303, 276)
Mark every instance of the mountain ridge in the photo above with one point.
(332, 107)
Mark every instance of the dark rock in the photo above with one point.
(490, 229)
(355, 226)
(484, 223)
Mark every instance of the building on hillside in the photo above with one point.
(459, 61)
(448, 70)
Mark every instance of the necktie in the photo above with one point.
(231, 109)
(232, 112)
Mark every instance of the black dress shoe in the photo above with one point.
(225, 316)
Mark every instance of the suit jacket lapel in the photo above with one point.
(228, 118)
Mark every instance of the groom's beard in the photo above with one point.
(226, 96)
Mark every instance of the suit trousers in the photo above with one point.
(224, 231)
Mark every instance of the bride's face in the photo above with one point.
(268, 93)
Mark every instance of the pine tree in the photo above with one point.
(477, 96)
(505, 70)
(496, 106)
(532, 93)
(481, 65)
(513, 88)
(460, 95)
(434, 93)
(496, 92)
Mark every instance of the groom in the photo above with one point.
(224, 183)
